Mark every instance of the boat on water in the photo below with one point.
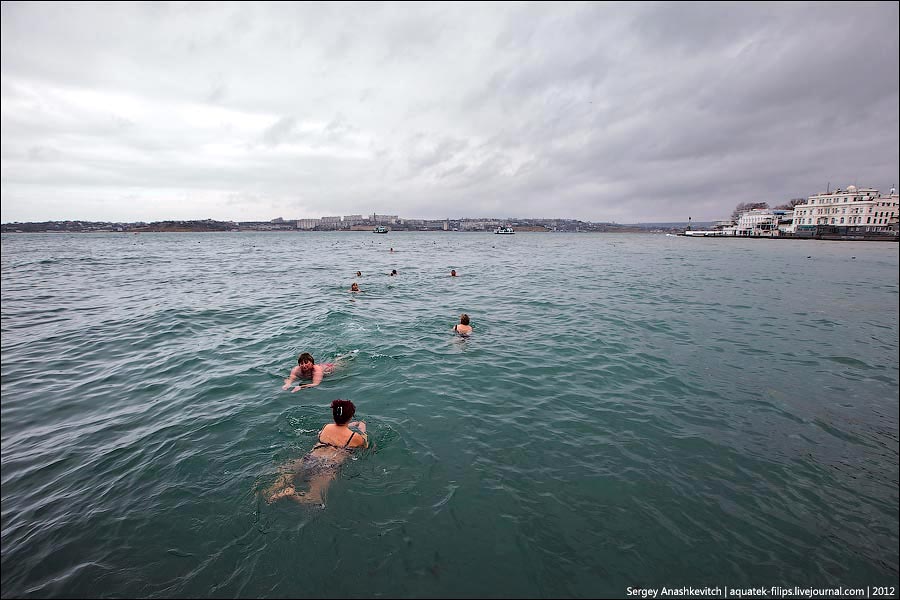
(380, 229)
(709, 233)
(504, 230)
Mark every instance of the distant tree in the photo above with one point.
(745, 206)
(791, 203)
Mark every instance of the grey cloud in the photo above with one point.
(689, 28)
(338, 129)
(44, 154)
(218, 91)
(426, 152)
(604, 111)
(280, 131)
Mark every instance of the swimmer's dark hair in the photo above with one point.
(464, 319)
(342, 410)
(306, 357)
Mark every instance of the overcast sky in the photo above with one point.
(614, 112)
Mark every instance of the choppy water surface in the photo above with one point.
(633, 410)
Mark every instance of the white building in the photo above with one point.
(785, 221)
(331, 223)
(308, 223)
(757, 222)
(853, 210)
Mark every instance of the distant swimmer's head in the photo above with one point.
(354, 287)
(306, 357)
(393, 272)
(452, 272)
(359, 273)
(464, 319)
(342, 411)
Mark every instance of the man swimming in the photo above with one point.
(307, 369)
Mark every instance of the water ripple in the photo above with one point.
(631, 410)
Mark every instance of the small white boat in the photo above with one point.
(504, 230)
(380, 229)
(709, 233)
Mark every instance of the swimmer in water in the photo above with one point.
(320, 465)
(463, 327)
(308, 369)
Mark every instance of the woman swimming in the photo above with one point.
(463, 327)
(320, 465)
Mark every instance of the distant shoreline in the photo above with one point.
(300, 231)
(19, 228)
(463, 225)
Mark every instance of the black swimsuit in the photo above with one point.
(322, 444)
(314, 464)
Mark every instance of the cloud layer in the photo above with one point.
(634, 112)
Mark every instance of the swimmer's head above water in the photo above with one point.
(342, 410)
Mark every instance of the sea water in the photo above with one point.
(631, 411)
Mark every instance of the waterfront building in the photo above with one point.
(850, 211)
(764, 222)
(785, 221)
(330, 223)
(308, 223)
(757, 222)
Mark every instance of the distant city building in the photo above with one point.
(764, 222)
(330, 223)
(785, 221)
(756, 222)
(308, 223)
(853, 210)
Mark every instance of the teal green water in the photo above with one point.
(632, 410)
